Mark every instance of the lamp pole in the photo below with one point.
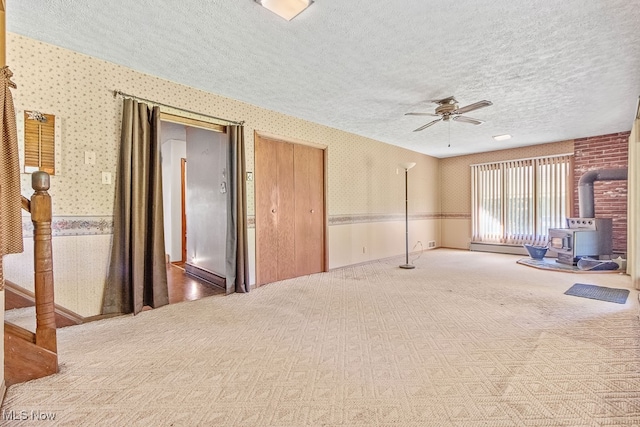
(406, 167)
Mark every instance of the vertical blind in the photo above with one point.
(517, 201)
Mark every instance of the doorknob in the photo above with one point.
(311, 211)
(273, 210)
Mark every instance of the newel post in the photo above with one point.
(43, 262)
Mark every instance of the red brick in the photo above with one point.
(604, 152)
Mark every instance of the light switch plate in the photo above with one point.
(106, 178)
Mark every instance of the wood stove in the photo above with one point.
(590, 237)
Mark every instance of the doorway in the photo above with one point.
(194, 162)
(290, 209)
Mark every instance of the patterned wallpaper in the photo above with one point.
(455, 173)
(78, 89)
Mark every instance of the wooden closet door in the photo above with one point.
(266, 198)
(309, 209)
(274, 193)
(285, 211)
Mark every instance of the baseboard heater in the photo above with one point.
(500, 249)
(206, 275)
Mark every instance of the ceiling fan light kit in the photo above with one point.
(448, 109)
(287, 9)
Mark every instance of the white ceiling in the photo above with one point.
(554, 70)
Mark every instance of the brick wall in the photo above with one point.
(605, 152)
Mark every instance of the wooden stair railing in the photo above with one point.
(28, 355)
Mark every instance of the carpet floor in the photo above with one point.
(464, 339)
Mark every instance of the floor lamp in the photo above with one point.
(406, 166)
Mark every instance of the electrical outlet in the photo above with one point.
(364, 249)
(431, 244)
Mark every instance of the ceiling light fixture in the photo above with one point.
(502, 137)
(287, 9)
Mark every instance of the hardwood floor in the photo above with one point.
(186, 288)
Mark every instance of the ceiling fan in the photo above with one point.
(448, 109)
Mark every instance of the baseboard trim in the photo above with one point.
(101, 317)
(206, 275)
(414, 254)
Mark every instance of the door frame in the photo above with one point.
(185, 121)
(183, 206)
(325, 223)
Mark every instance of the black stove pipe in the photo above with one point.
(586, 204)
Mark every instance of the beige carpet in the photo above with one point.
(465, 339)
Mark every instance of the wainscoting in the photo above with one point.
(81, 246)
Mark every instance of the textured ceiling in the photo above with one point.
(554, 70)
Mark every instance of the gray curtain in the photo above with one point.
(137, 273)
(237, 262)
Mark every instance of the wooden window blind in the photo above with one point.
(39, 142)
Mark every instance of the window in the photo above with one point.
(517, 201)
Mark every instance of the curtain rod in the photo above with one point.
(126, 95)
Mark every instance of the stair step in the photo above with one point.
(16, 297)
(23, 317)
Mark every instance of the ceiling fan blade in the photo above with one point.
(474, 106)
(427, 125)
(465, 119)
(421, 114)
